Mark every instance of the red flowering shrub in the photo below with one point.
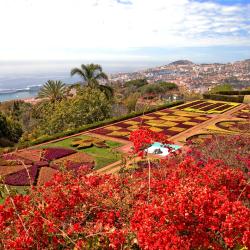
(142, 138)
(233, 150)
(191, 206)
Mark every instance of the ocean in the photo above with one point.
(22, 79)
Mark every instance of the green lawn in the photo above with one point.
(102, 156)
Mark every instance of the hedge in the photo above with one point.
(234, 92)
(226, 98)
(84, 128)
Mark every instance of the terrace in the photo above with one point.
(104, 149)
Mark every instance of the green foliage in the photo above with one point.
(91, 74)
(152, 89)
(54, 90)
(136, 83)
(225, 98)
(88, 106)
(221, 87)
(168, 86)
(158, 88)
(130, 101)
(235, 92)
(9, 130)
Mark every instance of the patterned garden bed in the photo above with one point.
(207, 106)
(15, 171)
(235, 126)
(200, 138)
(243, 113)
(93, 149)
(170, 122)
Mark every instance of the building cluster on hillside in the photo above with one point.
(194, 77)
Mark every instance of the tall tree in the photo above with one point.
(91, 74)
(54, 90)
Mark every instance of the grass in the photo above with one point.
(102, 156)
(13, 190)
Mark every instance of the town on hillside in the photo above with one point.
(194, 77)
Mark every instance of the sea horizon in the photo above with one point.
(19, 78)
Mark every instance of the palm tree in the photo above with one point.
(54, 90)
(91, 74)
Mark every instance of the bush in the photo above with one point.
(189, 207)
(233, 150)
(225, 98)
(234, 92)
(9, 130)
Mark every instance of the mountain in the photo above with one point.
(181, 62)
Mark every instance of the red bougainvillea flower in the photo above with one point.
(143, 137)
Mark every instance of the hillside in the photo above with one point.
(181, 62)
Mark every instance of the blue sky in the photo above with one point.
(125, 30)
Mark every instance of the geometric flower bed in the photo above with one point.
(199, 138)
(50, 154)
(235, 126)
(15, 170)
(79, 157)
(87, 143)
(170, 122)
(243, 113)
(91, 149)
(207, 106)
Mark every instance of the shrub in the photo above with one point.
(233, 150)
(234, 92)
(190, 208)
(225, 98)
(191, 205)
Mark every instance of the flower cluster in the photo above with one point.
(192, 205)
(143, 137)
(190, 208)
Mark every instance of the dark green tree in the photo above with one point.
(9, 129)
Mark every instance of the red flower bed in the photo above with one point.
(50, 154)
(24, 177)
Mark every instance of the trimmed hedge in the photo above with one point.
(84, 128)
(226, 98)
(234, 92)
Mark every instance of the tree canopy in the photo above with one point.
(88, 106)
(54, 90)
(9, 129)
(221, 87)
(91, 74)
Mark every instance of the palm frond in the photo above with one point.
(107, 90)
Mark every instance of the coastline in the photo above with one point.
(31, 100)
